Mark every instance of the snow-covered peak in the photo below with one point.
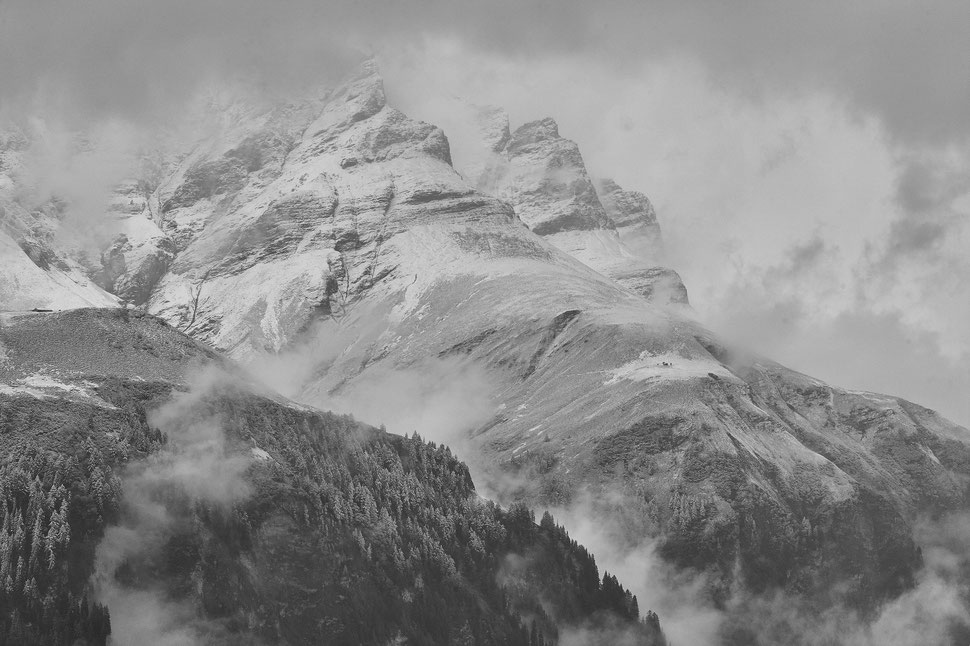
(635, 220)
(534, 132)
(360, 97)
(265, 250)
(543, 175)
(625, 208)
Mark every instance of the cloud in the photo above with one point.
(442, 399)
(197, 465)
(927, 184)
(892, 59)
(898, 60)
(935, 611)
(808, 161)
(791, 218)
(679, 597)
(931, 612)
(933, 204)
(135, 60)
(79, 172)
(856, 349)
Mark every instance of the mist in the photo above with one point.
(808, 163)
(442, 399)
(800, 224)
(80, 171)
(756, 132)
(680, 598)
(195, 467)
(934, 611)
(111, 56)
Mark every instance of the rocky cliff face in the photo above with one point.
(267, 249)
(344, 220)
(544, 176)
(547, 180)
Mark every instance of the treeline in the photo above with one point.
(349, 536)
(423, 557)
(58, 489)
(48, 504)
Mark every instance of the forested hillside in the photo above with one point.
(345, 534)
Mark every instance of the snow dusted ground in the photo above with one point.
(667, 366)
(24, 285)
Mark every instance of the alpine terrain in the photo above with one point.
(332, 249)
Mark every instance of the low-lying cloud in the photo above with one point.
(755, 129)
(934, 611)
(788, 216)
(334, 366)
(680, 598)
(898, 60)
(195, 465)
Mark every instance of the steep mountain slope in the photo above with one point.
(36, 270)
(337, 235)
(363, 233)
(207, 512)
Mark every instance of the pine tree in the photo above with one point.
(36, 544)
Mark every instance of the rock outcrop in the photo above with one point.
(268, 253)
(545, 178)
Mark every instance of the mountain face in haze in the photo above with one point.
(198, 509)
(37, 267)
(544, 176)
(341, 221)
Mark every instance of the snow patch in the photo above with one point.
(41, 386)
(261, 455)
(666, 367)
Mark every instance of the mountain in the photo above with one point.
(139, 468)
(544, 176)
(337, 237)
(35, 268)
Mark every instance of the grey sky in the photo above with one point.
(904, 61)
(810, 160)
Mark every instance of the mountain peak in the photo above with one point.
(493, 127)
(543, 175)
(535, 131)
(369, 67)
(626, 208)
(359, 97)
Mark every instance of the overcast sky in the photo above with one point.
(809, 161)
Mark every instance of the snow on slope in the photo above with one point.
(544, 176)
(25, 285)
(279, 249)
(36, 270)
(339, 232)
